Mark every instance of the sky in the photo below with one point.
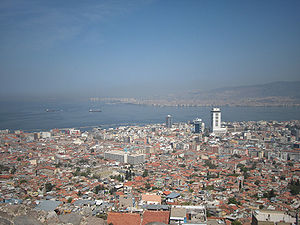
(139, 48)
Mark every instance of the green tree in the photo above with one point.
(233, 201)
(210, 164)
(48, 187)
(145, 174)
(294, 187)
(246, 175)
(23, 181)
(88, 171)
(236, 222)
(13, 170)
(147, 186)
(208, 214)
(270, 194)
(97, 189)
(112, 191)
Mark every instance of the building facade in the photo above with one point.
(169, 121)
(216, 121)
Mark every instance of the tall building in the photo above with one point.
(216, 121)
(169, 121)
(198, 126)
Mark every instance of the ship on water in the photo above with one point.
(95, 110)
(52, 110)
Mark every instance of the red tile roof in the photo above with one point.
(123, 218)
(156, 216)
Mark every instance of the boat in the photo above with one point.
(51, 110)
(95, 110)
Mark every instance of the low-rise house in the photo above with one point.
(266, 217)
(151, 199)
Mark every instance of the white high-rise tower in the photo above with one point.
(216, 121)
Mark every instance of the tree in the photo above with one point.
(145, 174)
(233, 201)
(97, 189)
(70, 200)
(48, 187)
(246, 175)
(236, 222)
(210, 164)
(23, 181)
(112, 191)
(208, 214)
(270, 194)
(147, 186)
(128, 175)
(13, 170)
(88, 171)
(294, 187)
(254, 166)
(58, 165)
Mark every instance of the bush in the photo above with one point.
(233, 201)
(236, 222)
(48, 187)
(70, 200)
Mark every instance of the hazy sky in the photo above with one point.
(126, 48)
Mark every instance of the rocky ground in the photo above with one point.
(24, 215)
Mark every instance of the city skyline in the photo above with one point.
(142, 48)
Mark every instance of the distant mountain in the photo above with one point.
(281, 93)
(275, 93)
(280, 88)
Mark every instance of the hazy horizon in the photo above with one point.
(145, 48)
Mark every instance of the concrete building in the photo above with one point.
(169, 121)
(199, 126)
(216, 121)
(135, 159)
(124, 157)
(271, 217)
(118, 156)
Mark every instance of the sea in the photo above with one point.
(32, 116)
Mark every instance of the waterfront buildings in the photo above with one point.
(159, 175)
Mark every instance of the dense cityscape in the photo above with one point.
(149, 112)
(171, 173)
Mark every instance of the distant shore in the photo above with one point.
(268, 102)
